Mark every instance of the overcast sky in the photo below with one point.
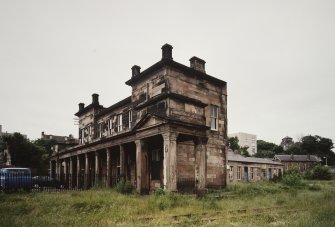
(277, 57)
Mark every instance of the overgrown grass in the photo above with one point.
(257, 204)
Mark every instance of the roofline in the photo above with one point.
(169, 62)
(115, 106)
(87, 108)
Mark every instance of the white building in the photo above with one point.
(246, 139)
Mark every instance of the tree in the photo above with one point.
(244, 151)
(267, 149)
(25, 153)
(265, 146)
(233, 143)
(264, 154)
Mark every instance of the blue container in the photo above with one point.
(12, 179)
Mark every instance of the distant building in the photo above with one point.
(61, 142)
(302, 162)
(250, 169)
(286, 143)
(246, 139)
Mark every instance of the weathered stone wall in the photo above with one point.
(185, 160)
(210, 94)
(260, 171)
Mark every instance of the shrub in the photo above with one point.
(318, 172)
(277, 178)
(124, 187)
(292, 177)
(158, 192)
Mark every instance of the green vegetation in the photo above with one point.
(313, 145)
(257, 204)
(318, 172)
(124, 187)
(233, 144)
(26, 153)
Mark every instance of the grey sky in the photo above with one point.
(278, 58)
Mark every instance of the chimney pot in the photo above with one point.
(197, 64)
(167, 51)
(81, 106)
(95, 99)
(136, 70)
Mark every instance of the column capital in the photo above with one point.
(171, 136)
(139, 142)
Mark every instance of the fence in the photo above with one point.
(62, 182)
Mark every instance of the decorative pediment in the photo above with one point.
(148, 121)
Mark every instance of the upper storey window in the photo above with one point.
(214, 117)
(119, 122)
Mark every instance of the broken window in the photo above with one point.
(110, 126)
(130, 118)
(125, 120)
(231, 173)
(214, 117)
(119, 122)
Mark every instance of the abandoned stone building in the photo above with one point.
(302, 162)
(249, 169)
(171, 132)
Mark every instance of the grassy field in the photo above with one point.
(259, 204)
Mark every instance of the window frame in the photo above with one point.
(239, 174)
(214, 115)
(119, 122)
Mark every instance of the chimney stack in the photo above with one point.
(95, 99)
(136, 70)
(198, 64)
(167, 51)
(81, 106)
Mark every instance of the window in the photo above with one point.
(130, 118)
(252, 173)
(239, 172)
(110, 126)
(214, 117)
(258, 172)
(231, 173)
(119, 122)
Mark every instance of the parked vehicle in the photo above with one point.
(12, 179)
(46, 182)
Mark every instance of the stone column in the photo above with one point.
(201, 161)
(97, 168)
(139, 163)
(170, 161)
(78, 172)
(50, 166)
(108, 163)
(122, 163)
(71, 173)
(86, 177)
(57, 170)
(66, 175)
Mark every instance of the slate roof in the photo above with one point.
(239, 158)
(297, 158)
